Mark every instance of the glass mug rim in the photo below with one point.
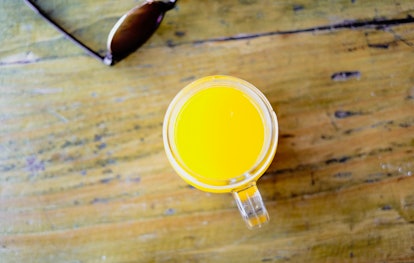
(268, 150)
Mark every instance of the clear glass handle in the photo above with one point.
(251, 206)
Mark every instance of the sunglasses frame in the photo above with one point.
(107, 59)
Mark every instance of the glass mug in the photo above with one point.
(220, 135)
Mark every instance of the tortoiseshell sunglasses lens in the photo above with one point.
(135, 28)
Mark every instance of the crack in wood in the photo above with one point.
(376, 23)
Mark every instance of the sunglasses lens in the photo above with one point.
(134, 28)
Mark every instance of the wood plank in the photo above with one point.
(191, 21)
(83, 174)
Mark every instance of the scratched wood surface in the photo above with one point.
(83, 175)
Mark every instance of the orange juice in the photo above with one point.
(219, 133)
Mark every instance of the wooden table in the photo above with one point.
(83, 174)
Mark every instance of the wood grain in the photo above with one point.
(83, 175)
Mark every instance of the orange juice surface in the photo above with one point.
(219, 133)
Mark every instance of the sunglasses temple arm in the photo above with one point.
(64, 32)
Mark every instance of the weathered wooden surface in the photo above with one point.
(83, 176)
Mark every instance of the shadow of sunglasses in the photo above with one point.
(131, 31)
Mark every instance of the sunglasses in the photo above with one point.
(131, 31)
